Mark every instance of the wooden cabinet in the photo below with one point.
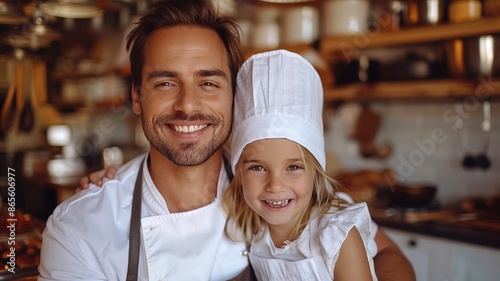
(474, 263)
(443, 259)
(430, 257)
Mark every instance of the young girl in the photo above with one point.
(281, 198)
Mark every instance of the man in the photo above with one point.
(184, 60)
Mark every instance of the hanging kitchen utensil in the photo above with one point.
(468, 160)
(365, 133)
(367, 125)
(27, 119)
(6, 107)
(27, 116)
(481, 159)
(20, 72)
(45, 114)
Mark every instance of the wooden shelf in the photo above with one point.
(410, 35)
(331, 47)
(415, 90)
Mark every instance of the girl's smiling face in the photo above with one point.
(277, 183)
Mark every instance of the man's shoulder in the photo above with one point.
(101, 200)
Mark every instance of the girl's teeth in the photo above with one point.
(278, 204)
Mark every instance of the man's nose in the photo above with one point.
(188, 100)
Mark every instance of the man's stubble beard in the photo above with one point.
(187, 154)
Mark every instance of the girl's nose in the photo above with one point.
(275, 184)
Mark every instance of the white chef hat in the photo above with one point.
(279, 95)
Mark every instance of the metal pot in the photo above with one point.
(412, 196)
(474, 56)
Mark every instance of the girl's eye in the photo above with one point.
(256, 168)
(295, 168)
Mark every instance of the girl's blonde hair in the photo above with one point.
(250, 223)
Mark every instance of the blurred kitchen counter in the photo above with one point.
(464, 231)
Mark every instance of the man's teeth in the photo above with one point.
(278, 204)
(189, 129)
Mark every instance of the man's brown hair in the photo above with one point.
(169, 13)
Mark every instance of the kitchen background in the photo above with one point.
(411, 104)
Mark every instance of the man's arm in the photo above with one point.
(61, 258)
(390, 262)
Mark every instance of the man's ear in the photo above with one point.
(136, 99)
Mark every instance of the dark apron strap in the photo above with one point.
(134, 240)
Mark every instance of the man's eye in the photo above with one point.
(163, 84)
(209, 84)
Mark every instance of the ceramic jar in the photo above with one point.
(464, 10)
(345, 17)
(299, 24)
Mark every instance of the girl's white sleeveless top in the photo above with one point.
(314, 254)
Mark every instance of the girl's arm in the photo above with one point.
(96, 178)
(352, 263)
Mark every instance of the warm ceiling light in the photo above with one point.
(74, 9)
